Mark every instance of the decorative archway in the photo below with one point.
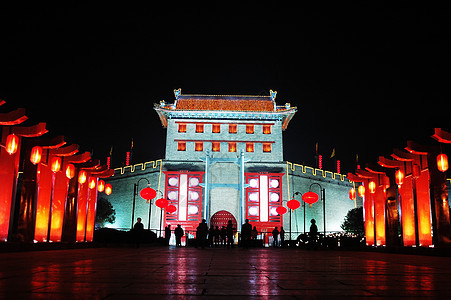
(221, 218)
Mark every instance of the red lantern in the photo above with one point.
(36, 155)
(442, 162)
(55, 165)
(352, 194)
(293, 204)
(108, 189)
(161, 203)
(399, 176)
(12, 142)
(372, 187)
(82, 176)
(148, 193)
(70, 171)
(361, 191)
(281, 210)
(310, 198)
(171, 208)
(92, 183)
(101, 186)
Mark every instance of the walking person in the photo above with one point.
(282, 237)
(138, 230)
(275, 235)
(211, 233)
(216, 235)
(254, 235)
(246, 232)
(229, 234)
(178, 232)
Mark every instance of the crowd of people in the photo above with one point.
(224, 236)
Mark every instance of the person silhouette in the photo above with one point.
(229, 234)
(167, 234)
(138, 230)
(313, 234)
(201, 233)
(178, 232)
(282, 236)
(246, 232)
(275, 235)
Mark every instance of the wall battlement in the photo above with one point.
(307, 170)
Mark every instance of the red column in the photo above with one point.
(368, 208)
(379, 209)
(82, 204)
(58, 205)
(9, 166)
(91, 216)
(44, 196)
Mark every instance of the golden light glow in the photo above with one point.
(372, 187)
(70, 171)
(92, 183)
(232, 128)
(361, 191)
(232, 146)
(215, 146)
(249, 128)
(182, 127)
(199, 146)
(399, 177)
(56, 164)
(442, 162)
(266, 129)
(101, 186)
(249, 147)
(352, 194)
(82, 176)
(108, 189)
(266, 147)
(36, 155)
(216, 128)
(199, 128)
(181, 146)
(12, 142)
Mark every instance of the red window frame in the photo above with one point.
(273, 220)
(192, 219)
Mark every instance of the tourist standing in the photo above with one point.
(282, 237)
(167, 234)
(178, 232)
(201, 233)
(275, 235)
(246, 232)
(138, 230)
(229, 234)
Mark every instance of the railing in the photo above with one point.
(265, 239)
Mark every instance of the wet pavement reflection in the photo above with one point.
(124, 273)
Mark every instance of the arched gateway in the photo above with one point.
(221, 218)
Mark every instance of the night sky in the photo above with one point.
(364, 77)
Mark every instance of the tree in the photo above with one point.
(353, 222)
(105, 212)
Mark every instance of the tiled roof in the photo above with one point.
(227, 103)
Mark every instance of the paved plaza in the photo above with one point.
(185, 273)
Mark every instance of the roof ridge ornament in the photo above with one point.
(177, 93)
(273, 94)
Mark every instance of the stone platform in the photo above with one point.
(185, 273)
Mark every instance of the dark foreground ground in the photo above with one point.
(185, 273)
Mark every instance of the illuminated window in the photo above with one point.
(215, 146)
(182, 127)
(266, 129)
(216, 128)
(249, 147)
(266, 147)
(232, 146)
(199, 128)
(250, 128)
(181, 146)
(199, 146)
(232, 128)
